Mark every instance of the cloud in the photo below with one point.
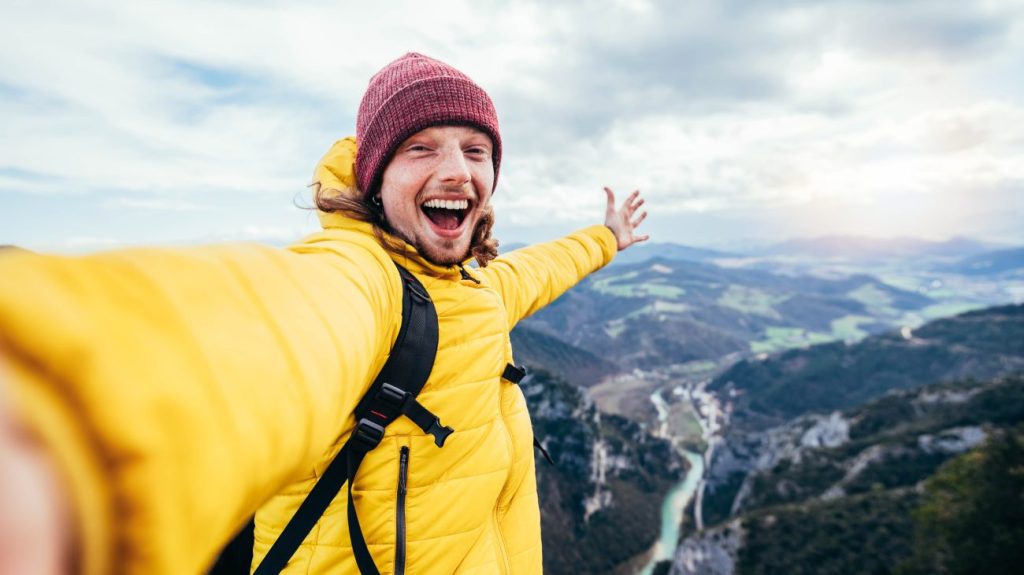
(159, 204)
(214, 111)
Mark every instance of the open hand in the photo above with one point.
(35, 527)
(621, 221)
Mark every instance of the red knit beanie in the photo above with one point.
(411, 94)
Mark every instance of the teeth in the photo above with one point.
(447, 204)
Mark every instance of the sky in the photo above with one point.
(152, 122)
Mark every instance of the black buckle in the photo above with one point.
(392, 395)
(513, 373)
(368, 434)
(440, 432)
(417, 291)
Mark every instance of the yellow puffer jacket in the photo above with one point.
(180, 389)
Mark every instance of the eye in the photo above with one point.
(417, 148)
(478, 151)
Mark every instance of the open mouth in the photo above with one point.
(446, 215)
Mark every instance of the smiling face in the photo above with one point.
(435, 189)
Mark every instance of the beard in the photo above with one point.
(445, 254)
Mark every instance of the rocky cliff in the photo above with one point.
(849, 478)
(601, 500)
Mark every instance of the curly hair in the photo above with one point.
(482, 247)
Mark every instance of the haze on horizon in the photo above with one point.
(183, 122)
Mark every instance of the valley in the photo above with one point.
(740, 374)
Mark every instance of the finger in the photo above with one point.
(636, 223)
(611, 199)
(642, 238)
(636, 205)
(630, 199)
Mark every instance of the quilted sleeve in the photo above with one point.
(179, 389)
(531, 278)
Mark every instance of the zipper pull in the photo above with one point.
(403, 467)
(466, 276)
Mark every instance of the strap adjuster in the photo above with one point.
(368, 434)
(393, 396)
(513, 373)
(440, 432)
(417, 291)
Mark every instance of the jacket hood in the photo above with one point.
(335, 174)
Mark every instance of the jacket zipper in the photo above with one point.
(502, 553)
(403, 479)
(465, 275)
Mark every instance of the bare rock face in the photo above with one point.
(747, 454)
(710, 552)
(952, 441)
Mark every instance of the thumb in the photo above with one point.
(611, 199)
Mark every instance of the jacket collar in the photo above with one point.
(408, 256)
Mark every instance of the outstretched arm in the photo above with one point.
(174, 391)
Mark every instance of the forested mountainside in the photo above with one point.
(541, 351)
(879, 431)
(981, 344)
(839, 492)
(600, 499)
(663, 312)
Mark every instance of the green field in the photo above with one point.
(750, 300)
(877, 301)
(779, 338)
(848, 327)
(658, 288)
(701, 368)
(619, 286)
(626, 395)
(684, 426)
(610, 285)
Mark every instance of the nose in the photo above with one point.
(453, 169)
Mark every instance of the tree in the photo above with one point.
(971, 519)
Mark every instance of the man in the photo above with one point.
(177, 391)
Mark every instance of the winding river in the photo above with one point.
(678, 497)
(672, 511)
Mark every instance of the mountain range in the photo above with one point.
(838, 407)
(822, 464)
(661, 312)
(982, 344)
(869, 248)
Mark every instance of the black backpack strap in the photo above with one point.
(392, 395)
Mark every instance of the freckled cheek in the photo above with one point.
(484, 182)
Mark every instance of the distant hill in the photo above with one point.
(661, 312)
(983, 344)
(656, 250)
(537, 350)
(502, 248)
(668, 251)
(988, 263)
(867, 248)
